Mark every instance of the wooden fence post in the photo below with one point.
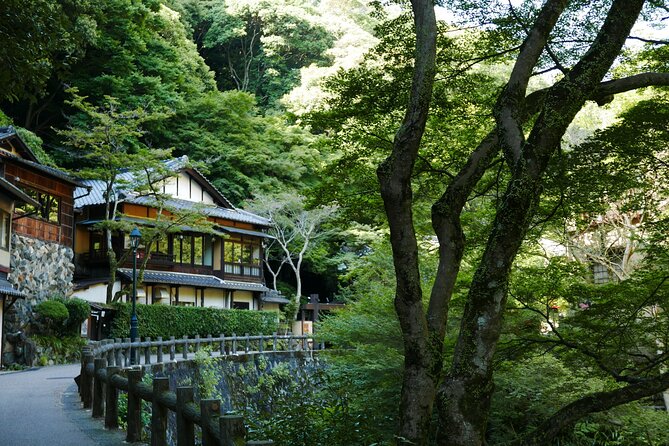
(248, 344)
(185, 427)
(197, 343)
(222, 344)
(234, 344)
(87, 381)
(261, 341)
(210, 343)
(275, 342)
(185, 350)
(147, 351)
(126, 354)
(111, 406)
(134, 419)
(98, 389)
(173, 348)
(209, 410)
(160, 350)
(233, 432)
(159, 413)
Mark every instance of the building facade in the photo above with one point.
(218, 264)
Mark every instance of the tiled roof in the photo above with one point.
(272, 296)
(98, 187)
(194, 280)
(233, 214)
(7, 289)
(17, 193)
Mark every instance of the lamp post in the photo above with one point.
(135, 235)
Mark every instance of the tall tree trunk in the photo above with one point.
(464, 397)
(422, 364)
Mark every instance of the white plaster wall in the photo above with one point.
(244, 296)
(214, 297)
(189, 189)
(96, 293)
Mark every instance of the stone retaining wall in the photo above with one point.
(40, 270)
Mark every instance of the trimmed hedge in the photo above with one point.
(166, 321)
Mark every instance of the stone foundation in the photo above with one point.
(40, 270)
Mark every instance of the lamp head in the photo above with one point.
(135, 235)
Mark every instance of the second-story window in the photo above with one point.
(193, 250)
(49, 209)
(5, 229)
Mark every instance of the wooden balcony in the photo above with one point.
(40, 229)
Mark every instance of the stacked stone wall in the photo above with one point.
(40, 270)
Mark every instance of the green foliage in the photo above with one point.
(54, 312)
(60, 349)
(166, 321)
(242, 152)
(78, 311)
(40, 39)
(529, 391)
(259, 46)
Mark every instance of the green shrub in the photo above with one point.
(166, 321)
(60, 349)
(51, 314)
(78, 312)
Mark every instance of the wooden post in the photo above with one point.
(159, 413)
(147, 351)
(185, 349)
(87, 382)
(248, 344)
(98, 389)
(160, 350)
(118, 351)
(233, 432)
(197, 343)
(111, 403)
(275, 342)
(111, 358)
(234, 344)
(127, 352)
(261, 341)
(222, 344)
(134, 407)
(209, 410)
(210, 343)
(185, 427)
(172, 348)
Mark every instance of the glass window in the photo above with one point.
(208, 251)
(197, 250)
(49, 209)
(5, 230)
(186, 249)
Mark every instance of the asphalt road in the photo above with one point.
(41, 407)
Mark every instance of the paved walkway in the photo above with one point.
(41, 407)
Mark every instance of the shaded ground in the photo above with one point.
(41, 407)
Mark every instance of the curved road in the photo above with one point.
(41, 407)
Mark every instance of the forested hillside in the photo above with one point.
(217, 71)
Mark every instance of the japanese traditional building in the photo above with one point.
(37, 223)
(217, 267)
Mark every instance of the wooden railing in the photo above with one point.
(105, 362)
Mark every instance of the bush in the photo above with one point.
(51, 314)
(79, 311)
(60, 349)
(166, 321)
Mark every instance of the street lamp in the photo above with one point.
(135, 235)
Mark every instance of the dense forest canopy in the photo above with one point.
(500, 180)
